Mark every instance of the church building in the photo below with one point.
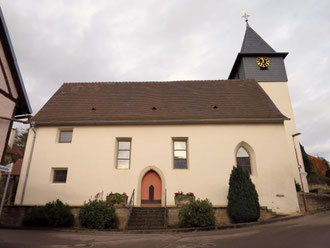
(158, 138)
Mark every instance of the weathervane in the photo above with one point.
(245, 15)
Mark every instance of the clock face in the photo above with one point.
(263, 62)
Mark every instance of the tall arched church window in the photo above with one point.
(243, 159)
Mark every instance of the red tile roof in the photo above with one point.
(212, 100)
(17, 166)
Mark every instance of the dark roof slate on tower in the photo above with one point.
(253, 43)
(159, 102)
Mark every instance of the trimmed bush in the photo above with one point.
(243, 200)
(98, 214)
(298, 188)
(53, 214)
(197, 213)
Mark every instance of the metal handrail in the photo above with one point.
(165, 213)
(130, 207)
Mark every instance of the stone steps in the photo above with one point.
(146, 218)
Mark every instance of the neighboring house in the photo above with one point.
(14, 154)
(14, 103)
(13, 182)
(158, 138)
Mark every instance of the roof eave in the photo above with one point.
(25, 107)
(160, 122)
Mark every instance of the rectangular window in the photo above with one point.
(123, 154)
(65, 136)
(59, 175)
(180, 154)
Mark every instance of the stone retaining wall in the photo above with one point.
(12, 216)
(221, 216)
(315, 202)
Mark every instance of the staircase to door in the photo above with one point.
(147, 218)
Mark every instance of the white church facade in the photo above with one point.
(158, 138)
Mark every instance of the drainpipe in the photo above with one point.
(29, 163)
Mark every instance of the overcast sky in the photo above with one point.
(124, 40)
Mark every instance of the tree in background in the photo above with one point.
(16, 152)
(327, 173)
(21, 138)
(307, 162)
(318, 165)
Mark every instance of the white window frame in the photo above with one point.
(180, 139)
(118, 140)
(64, 130)
(59, 169)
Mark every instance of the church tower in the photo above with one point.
(260, 61)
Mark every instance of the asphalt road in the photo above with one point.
(309, 231)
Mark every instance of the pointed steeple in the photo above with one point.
(253, 43)
(253, 47)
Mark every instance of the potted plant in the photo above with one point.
(181, 198)
(117, 199)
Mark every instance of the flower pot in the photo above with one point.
(118, 200)
(180, 200)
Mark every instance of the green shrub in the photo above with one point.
(197, 213)
(315, 178)
(243, 200)
(36, 217)
(298, 188)
(59, 214)
(53, 214)
(98, 214)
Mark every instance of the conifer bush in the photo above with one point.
(197, 213)
(98, 214)
(53, 214)
(243, 200)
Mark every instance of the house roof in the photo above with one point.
(159, 102)
(17, 166)
(23, 105)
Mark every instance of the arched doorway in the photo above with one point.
(151, 190)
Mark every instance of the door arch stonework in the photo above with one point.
(139, 186)
(151, 189)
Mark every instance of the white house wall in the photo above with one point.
(91, 160)
(279, 93)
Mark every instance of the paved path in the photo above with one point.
(309, 231)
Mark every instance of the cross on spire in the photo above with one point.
(245, 16)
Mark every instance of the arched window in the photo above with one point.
(243, 159)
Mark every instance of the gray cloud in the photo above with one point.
(120, 40)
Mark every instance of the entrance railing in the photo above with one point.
(130, 207)
(165, 213)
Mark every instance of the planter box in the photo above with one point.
(180, 200)
(123, 203)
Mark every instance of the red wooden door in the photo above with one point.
(151, 189)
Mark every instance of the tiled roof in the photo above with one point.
(17, 166)
(159, 101)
